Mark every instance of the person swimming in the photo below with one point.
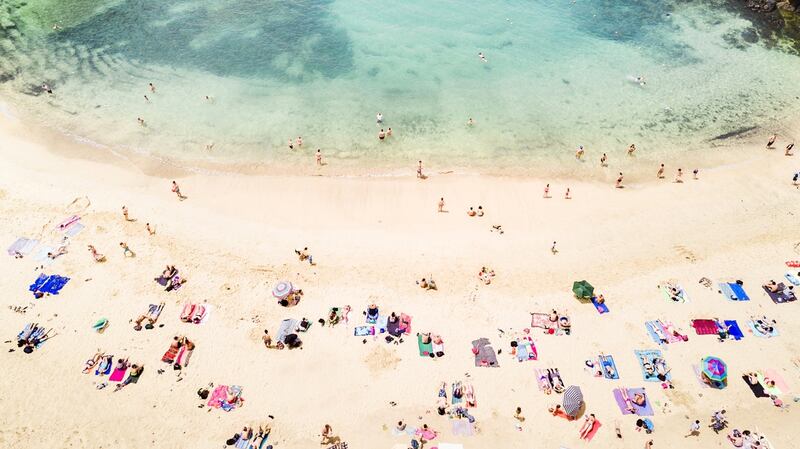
(482, 57)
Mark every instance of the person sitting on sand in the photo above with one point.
(372, 312)
(304, 255)
(425, 338)
(60, 252)
(427, 284)
(772, 286)
(544, 383)
(471, 212)
(486, 275)
(97, 256)
(480, 211)
(133, 376)
(588, 425)
(736, 438)
(553, 316)
(333, 317)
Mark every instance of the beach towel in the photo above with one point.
(169, 356)
(484, 353)
(739, 292)
(42, 257)
(650, 355)
(781, 387)
(734, 330)
(393, 328)
(646, 410)
(23, 246)
(219, 394)
(543, 380)
(469, 396)
(201, 313)
(725, 289)
(758, 333)
(287, 327)
(69, 221)
(462, 427)
(526, 350)
(783, 294)
(593, 432)
(438, 349)
(681, 295)
(607, 362)
(405, 323)
(794, 280)
(54, 284)
(363, 331)
(118, 375)
(425, 349)
(74, 230)
(669, 331)
(601, 308)
(651, 327)
(757, 389)
(541, 320)
(705, 327)
(699, 376)
(105, 366)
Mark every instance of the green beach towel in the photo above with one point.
(425, 349)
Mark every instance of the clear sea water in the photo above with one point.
(558, 75)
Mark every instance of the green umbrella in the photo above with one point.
(582, 289)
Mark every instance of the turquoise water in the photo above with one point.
(559, 74)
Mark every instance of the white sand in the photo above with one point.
(234, 236)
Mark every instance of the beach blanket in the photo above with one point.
(48, 284)
(23, 246)
(118, 375)
(287, 327)
(794, 280)
(650, 355)
(485, 355)
(681, 295)
(69, 221)
(781, 387)
(74, 230)
(425, 349)
(363, 331)
(170, 355)
(758, 333)
(526, 350)
(609, 367)
(105, 366)
(656, 331)
(734, 330)
(673, 336)
(705, 327)
(757, 389)
(601, 308)
(42, 257)
(646, 410)
(542, 321)
(217, 396)
(782, 295)
(405, 323)
(738, 292)
(462, 427)
(593, 432)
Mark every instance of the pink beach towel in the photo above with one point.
(593, 432)
(218, 396)
(670, 331)
(118, 375)
(541, 320)
(704, 327)
(780, 384)
(405, 323)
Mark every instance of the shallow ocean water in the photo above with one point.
(559, 74)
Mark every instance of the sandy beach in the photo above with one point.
(234, 237)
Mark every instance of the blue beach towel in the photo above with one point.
(608, 362)
(601, 308)
(758, 333)
(74, 230)
(734, 330)
(54, 284)
(794, 280)
(649, 326)
(650, 355)
(739, 292)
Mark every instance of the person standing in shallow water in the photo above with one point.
(660, 174)
(771, 140)
(381, 134)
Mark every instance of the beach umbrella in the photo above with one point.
(715, 370)
(282, 289)
(573, 400)
(582, 289)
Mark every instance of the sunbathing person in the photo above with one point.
(555, 380)
(97, 256)
(648, 367)
(553, 316)
(92, 363)
(544, 383)
(736, 438)
(426, 338)
(133, 377)
(638, 399)
(661, 368)
(588, 425)
(772, 287)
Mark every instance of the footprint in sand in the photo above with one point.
(685, 253)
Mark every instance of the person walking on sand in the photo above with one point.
(603, 160)
(419, 170)
(794, 179)
(520, 419)
(679, 176)
(694, 429)
(327, 434)
(788, 151)
(319, 157)
(660, 174)
(267, 339)
(441, 205)
(771, 141)
(553, 249)
(619, 181)
(694, 173)
(579, 153)
(546, 193)
(631, 149)
(125, 213)
(177, 190)
(566, 195)
(150, 229)
(126, 251)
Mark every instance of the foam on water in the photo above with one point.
(559, 75)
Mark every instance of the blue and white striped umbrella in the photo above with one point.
(573, 400)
